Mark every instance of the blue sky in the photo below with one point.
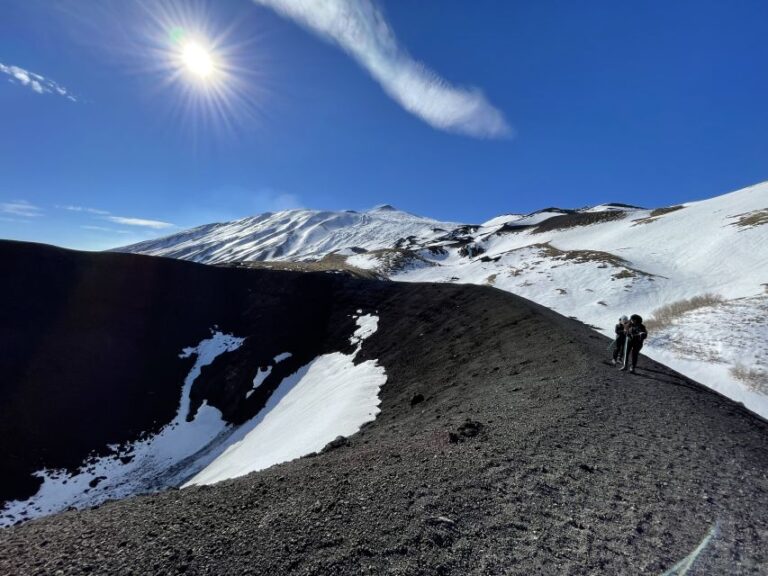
(448, 108)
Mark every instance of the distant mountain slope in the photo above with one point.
(291, 235)
(504, 443)
(593, 264)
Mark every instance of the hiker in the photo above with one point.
(618, 343)
(635, 335)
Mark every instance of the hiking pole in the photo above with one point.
(626, 350)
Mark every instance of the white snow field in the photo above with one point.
(633, 261)
(329, 397)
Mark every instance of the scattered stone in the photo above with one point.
(417, 399)
(96, 481)
(470, 428)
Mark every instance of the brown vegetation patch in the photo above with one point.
(755, 379)
(578, 219)
(603, 259)
(623, 274)
(664, 316)
(391, 260)
(656, 213)
(330, 263)
(396, 259)
(751, 219)
(581, 256)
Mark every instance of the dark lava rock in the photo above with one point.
(96, 481)
(417, 399)
(470, 428)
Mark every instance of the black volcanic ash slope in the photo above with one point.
(90, 348)
(527, 455)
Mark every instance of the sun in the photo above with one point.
(212, 68)
(197, 60)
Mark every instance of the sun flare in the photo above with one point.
(197, 60)
(212, 69)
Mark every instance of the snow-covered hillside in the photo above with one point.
(291, 235)
(708, 259)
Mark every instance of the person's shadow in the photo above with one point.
(671, 377)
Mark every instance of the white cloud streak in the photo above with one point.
(106, 215)
(361, 30)
(20, 208)
(84, 209)
(35, 82)
(154, 224)
(105, 229)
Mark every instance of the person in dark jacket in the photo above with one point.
(635, 335)
(618, 344)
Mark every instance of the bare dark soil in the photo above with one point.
(505, 445)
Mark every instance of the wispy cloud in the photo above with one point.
(107, 215)
(105, 229)
(84, 209)
(154, 224)
(360, 29)
(35, 82)
(20, 208)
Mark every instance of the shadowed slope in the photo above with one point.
(91, 348)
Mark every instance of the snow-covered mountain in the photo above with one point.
(292, 235)
(697, 271)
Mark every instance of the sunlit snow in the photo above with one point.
(329, 397)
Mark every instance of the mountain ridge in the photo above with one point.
(594, 263)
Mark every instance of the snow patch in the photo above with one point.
(366, 325)
(364, 261)
(329, 397)
(262, 375)
(145, 465)
(258, 380)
